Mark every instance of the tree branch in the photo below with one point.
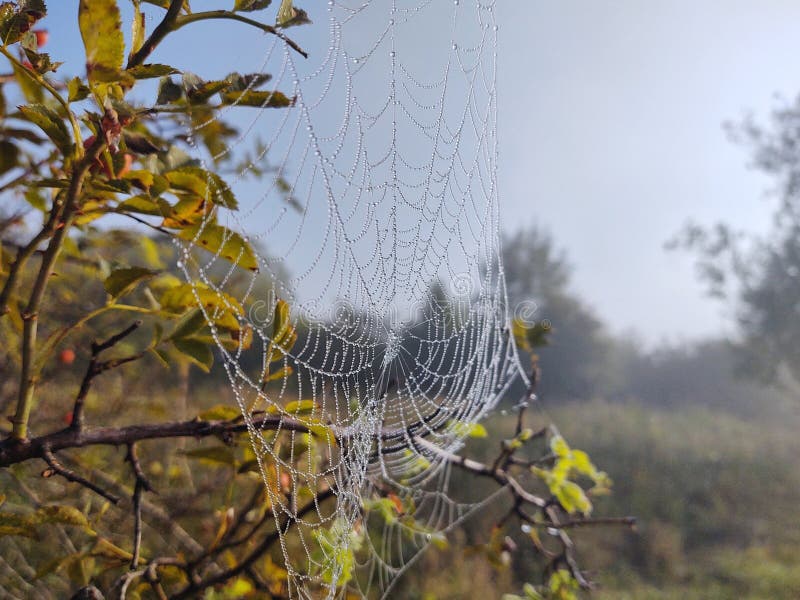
(62, 223)
(69, 475)
(159, 33)
(142, 485)
(96, 367)
(14, 451)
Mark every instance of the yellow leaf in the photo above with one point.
(294, 408)
(222, 242)
(220, 412)
(220, 307)
(279, 374)
(65, 515)
(101, 30)
(137, 29)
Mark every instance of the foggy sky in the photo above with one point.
(611, 137)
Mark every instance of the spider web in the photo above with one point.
(380, 201)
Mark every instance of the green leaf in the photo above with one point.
(251, 5)
(162, 356)
(151, 71)
(30, 88)
(51, 123)
(220, 412)
(22, 134)
(282, 321)
(137, 29)
(140, 178)
(222, 308)
(295, 407)
(205, 184)
(107, 549)
(189, 324)
(559, 446)
(572, 497)
(28, 532)
(122, 281)
(204, 90)
(473, 430)
(218, 455)
(281, 373)
(49, 182)
(11, 23)
(16, 520)
(16, 20)
(168, 91)
(239, 82)
(140, 204)
(101, 30)
(222, 242)
(197, 351)
(259, 99)
(9, 156)
(76, 90)
(62, 514)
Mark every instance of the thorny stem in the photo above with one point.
(29, 375)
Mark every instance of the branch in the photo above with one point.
(157, 518)
(224, 14)
(142, 485)
(159, 33)
(97, 367)
(628, 521)
(59, 469)
(14, 451)
(62, 222)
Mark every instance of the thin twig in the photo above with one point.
(629, 521)
(142, 485)
(69, 475)
(159, 33)
(97, 367)
(231, 16)
(151, 575)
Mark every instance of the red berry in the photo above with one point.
(66, 356)
(42, 35)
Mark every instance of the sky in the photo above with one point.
(611, 136)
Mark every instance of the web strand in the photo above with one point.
(376, 222)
